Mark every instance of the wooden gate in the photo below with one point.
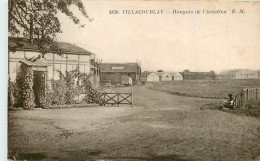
(116, 99)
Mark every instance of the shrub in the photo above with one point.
(25, 87)
(69, 87)
(12, 93)
(91, 95)
(56, 90)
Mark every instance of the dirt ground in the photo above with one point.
(159, 127)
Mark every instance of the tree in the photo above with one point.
(213, 75)
(160, 70)
(38, 21)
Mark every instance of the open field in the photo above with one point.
(205, 88)
(159, 127)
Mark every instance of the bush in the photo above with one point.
(91, 95)
(69, 87)
(25, 87)
(56, 92)
(12, 93)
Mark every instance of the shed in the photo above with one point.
(247, 74)
(153, 77)
(164, 76)
(117, 72)
(176, 76)
(144, 76)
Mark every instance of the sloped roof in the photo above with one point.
(118, 67)
(155, 73)
(160, 73)
(230, 71)
(235, 71)
(174, 73)
(28, 46)
(247, 71)
(145, 74)
(37, 63)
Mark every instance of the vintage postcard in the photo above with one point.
(133, 80)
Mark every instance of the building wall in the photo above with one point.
(248, 75)
(177, 76)
(166, 77)
(55, 62)
(116, 78)
(152, 77)
(226, 76)
(144, 78)
(197, 76)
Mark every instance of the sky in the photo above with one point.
(171, 42)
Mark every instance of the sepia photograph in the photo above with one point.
(133, 80)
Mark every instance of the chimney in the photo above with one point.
(31, 28)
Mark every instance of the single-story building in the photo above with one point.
(117, 73)
(187, 75)
(164, 76)
(238, 74)
(246, 74)
(144, 76)
(153, 77)
(176, 76)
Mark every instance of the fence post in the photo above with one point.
(242, 99)
(118, 99)
(256, 94)
(235, 101)
(132, 100)
(104, 99)
(247, 94)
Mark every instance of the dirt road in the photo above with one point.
(159, 127)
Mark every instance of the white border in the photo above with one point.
(3, 77)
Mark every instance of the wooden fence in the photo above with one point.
(116, 99)
(248, 95)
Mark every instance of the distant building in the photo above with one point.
(118, 73)
(176, 76)
(238, 74)
(164, 76)
(247, 74)
(153, 77)
(144, 76)
(161, 76)
(187, 75)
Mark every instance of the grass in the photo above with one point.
(205, 88)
